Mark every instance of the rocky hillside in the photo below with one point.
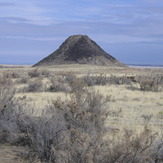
(79, 49)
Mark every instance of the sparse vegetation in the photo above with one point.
(45, 73)
(34, 73)
(23, 80)
(34, 86)
(9, 112)
(11, 74)
(150, 83)
(103, 79)
(57, 84)
(70, 131)
(92, 80)
(85, 125)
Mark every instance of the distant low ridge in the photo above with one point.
(79, 49)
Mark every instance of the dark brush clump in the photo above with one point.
(79, 49)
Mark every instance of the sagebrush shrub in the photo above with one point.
(92, 80)
(9, 113)
(131, 148)
(72, 131)
(68, 77)
(45, 72)
(23, 80)
(120, 80)
(57, 84)
(34, 73)
(69, 131)
(34, 86)
(5, 81)
(15, 74)
(149, 83)
(102, 79)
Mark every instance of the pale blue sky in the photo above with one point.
(129, 30)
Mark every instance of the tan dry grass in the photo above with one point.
(134, 104)
(135, 107)
(128, 108)
(9, 154)
(40, 100)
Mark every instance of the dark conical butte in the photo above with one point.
(79, 49)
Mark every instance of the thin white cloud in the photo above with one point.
(37, 23)
(55, 12)
(28, 10)
(105, 38)
(124, 39)
(33, 38)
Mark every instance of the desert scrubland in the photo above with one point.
(81, 113)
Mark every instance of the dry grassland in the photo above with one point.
(132, 105)
(129, 107)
